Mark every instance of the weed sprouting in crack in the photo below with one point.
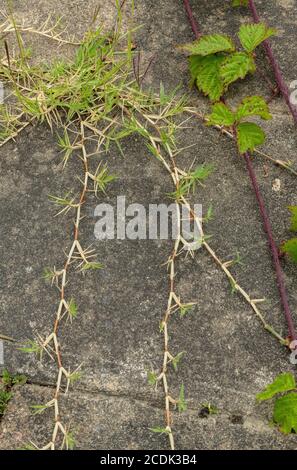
(7, 382)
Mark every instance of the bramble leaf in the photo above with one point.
(239, 3)
(210, 44)
(249, 135)
(285, 413)
(205, 71)
(293, 210)
(195, 62)
(221, 115)
(282, 383)
(251, 35)
(236, 66)
(290, 247)
(253, 106)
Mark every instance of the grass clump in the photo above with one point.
(7, 382)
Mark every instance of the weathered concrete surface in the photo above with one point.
(229, 358)
(102, 421)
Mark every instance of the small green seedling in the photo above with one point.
(209, 409)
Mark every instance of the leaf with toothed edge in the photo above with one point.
(290, 248)
(249, 135)
(210, 44)
(252, 35)
(236, 66)
(293, 210)
(253, 106)
(205, 72)
(239, 3)
(285, 413)
(282, 383)
(220, 115)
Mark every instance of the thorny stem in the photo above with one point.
(273, 248)
(63, 307)
(173, 302)
(252, 175)
(275, 66)
(224, 265)
(245, 295)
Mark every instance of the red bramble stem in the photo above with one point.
(275, 66)
(253, 178)
(273, 248)
(193, 22)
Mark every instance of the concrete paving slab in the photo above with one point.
(229, 358)
(93, 418)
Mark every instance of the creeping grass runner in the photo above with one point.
(92, 98)
(95, 98)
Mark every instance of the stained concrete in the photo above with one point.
(229, 358)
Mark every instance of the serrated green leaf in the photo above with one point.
(210, 44)
(282, 383)
(220, 115)
(182, 404)
(293, 210)
(205, 70)
(253, 106)
(195, 62)
(249, 135)
(251, 35)
(285, 413)
(239, 3)
(290, 247)
(236, 66)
